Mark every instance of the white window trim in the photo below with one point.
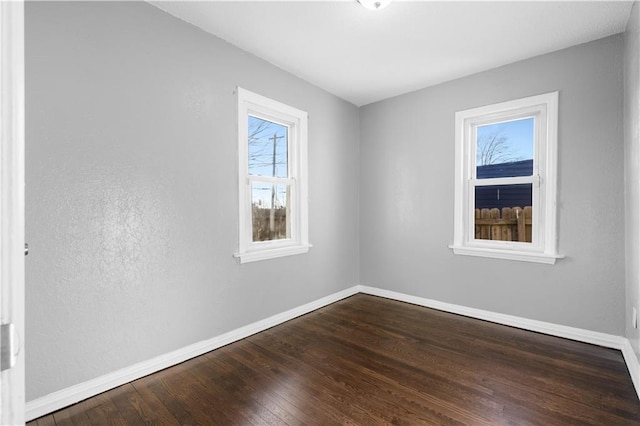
(250, 103)
(543, 248)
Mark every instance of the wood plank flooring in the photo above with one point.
(370, 361)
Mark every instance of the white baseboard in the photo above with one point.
(593, 337)
(578, 334)
(65, 397)
(632, 364)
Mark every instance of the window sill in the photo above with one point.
(523, 256)
(272, 253)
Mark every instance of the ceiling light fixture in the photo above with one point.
(374, 4)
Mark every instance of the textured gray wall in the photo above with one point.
(132, 191)
(632, 169)
(406, 193)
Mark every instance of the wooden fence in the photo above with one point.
(510, 224)
(262, 228)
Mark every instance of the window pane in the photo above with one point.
(268, 146)
(503, 212)
(270, 211)
(505, 149)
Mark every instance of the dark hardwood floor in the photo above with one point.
(369, 361)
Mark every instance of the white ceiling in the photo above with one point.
(364, 56)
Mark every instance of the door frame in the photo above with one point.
(12, 205)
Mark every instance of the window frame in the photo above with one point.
(252, 104)
(543, 247)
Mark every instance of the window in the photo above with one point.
(505, 182)
(272, 148)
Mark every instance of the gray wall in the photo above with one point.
(632, 169)
(132, 191)
(406, 193)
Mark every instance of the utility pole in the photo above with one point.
(272, 213)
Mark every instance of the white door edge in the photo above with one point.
(12, 119)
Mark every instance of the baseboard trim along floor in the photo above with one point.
(586, 336)
(65, 397)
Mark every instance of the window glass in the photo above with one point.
(505, 149)
(268, 146)
(269, 211)
(504, 212)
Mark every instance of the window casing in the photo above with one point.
(272, 158)
(485, 224)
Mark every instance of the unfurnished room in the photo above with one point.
(320, 212)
